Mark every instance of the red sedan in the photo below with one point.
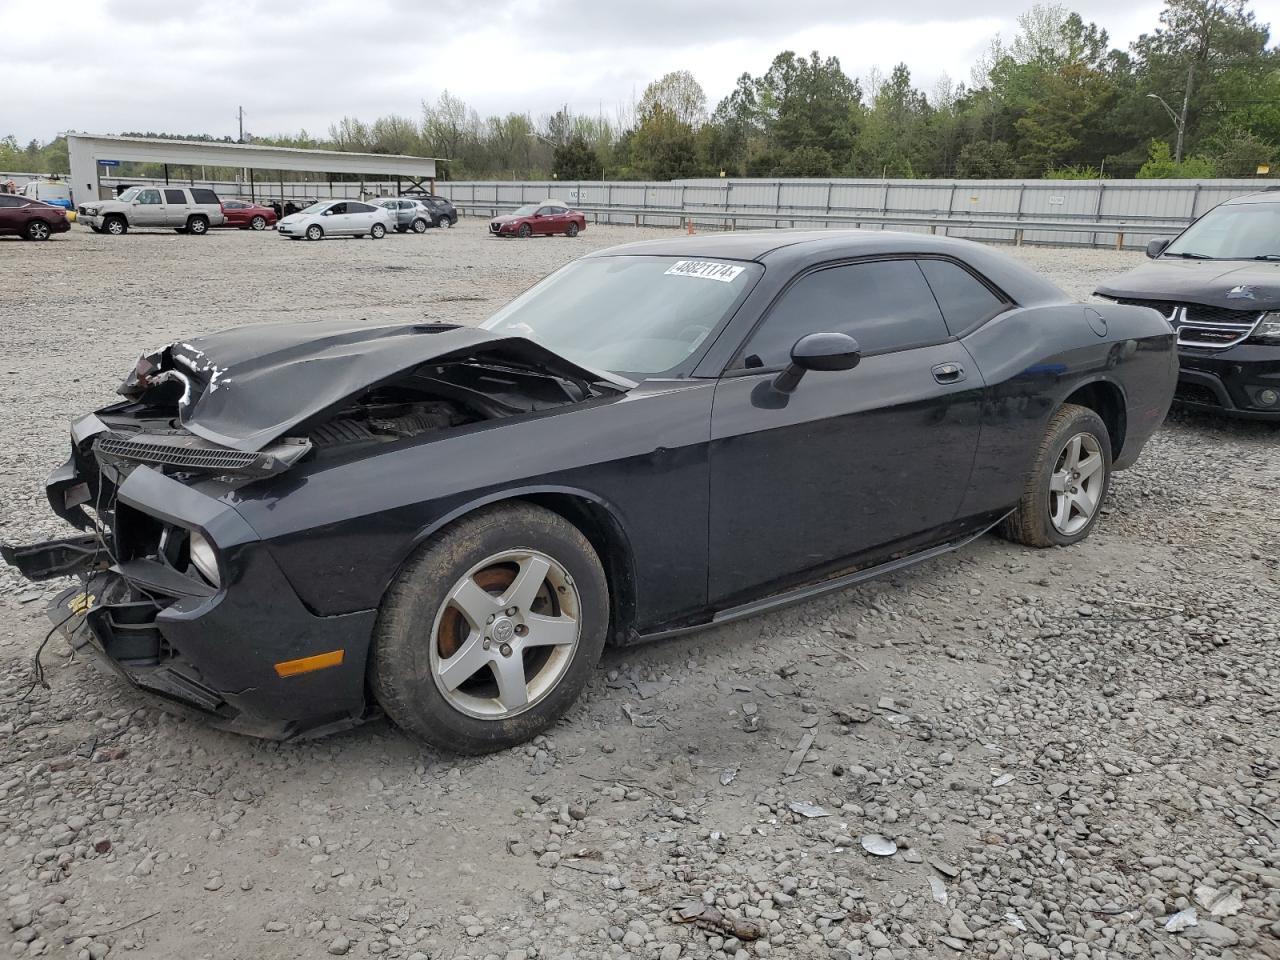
(31, 219)
(247, 216)
(546, 218)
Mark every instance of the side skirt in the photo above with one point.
(809, 591)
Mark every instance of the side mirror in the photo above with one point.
(326, 213)
(818, 351)
(1157, 246)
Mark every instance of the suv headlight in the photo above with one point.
(203, 557)
(1267, 330)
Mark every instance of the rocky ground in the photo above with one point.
(1002, 753)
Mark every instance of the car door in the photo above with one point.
(176, 207)
(363, 215)
(13, 215)
(852, 464)
(149, 209)
(236, 212)
(336, 221)
(543, 221)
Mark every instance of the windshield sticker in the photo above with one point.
(705, 270)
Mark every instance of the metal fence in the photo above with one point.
(1125, 213)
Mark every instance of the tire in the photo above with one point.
(315, 232)
(419, 225)
(377, 231)
(525, 231)
(487, 551)
(572, 231)
(36, 230)
(197, 226)
(451, 220)
(116, 225)
(1075, 455)
(259, 222)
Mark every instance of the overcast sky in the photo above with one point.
(105, 66)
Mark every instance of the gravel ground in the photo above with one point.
(1067, 747)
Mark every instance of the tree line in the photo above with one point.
(1197, 96)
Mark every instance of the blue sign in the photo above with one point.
(110, 163)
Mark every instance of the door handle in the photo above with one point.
(948, 373)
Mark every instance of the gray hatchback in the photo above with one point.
(407, 214)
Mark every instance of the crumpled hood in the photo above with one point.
(252, 384)
(1232, 284)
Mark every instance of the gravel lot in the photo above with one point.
(1068, 747)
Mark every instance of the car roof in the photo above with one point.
(1270, 195)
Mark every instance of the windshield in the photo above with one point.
(130, 193)
(528, 210)
(634, 316)
(316, 207)
(1238, 231)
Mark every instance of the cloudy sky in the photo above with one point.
(105, 66)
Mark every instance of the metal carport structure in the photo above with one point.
(88, 150)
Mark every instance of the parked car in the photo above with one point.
(185, 209)
(1218, 284)
(54, 192)
(446, 213)
(539, 219)
(454, 520)
(246, 215)
(407, 214)
(31, 219)
(336, 218)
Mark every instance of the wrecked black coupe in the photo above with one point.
(289, 527)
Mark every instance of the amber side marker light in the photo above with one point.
(291, 668)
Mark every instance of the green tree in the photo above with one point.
(576, 160)
(1161, 165)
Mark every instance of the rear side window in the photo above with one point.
(175, 196)
(884, 305)
(966, 301)
(357, 207)
(8, 201)
(201, 195)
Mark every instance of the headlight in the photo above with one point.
(1268, 329)
(203, 557)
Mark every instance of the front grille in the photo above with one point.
(1195, 393)
(194, 458)
(1199, 325)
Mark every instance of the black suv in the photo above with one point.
(444, 213)
(1218, 284)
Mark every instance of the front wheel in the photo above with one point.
(377, 231)
(314, 232)
(259, 222)
(1067, 484)
(116, 225)
(525, 230)
(517, 607)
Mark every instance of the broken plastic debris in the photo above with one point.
(1219, 903)
(879, 846)
(728, 775)
(805, 809)
(1015, 921)
(939, 890)
(1001, 780)
(1181, 920)
(637, 718)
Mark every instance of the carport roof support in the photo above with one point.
(87, 149)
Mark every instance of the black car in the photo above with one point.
(292, 523)
(1218, 284)
(443, 212)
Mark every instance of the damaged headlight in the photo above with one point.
(203, 557)
(1267, 330)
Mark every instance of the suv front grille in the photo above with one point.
(1203, 326)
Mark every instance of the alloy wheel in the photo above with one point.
(38, 230)
(258, 223)
(505, 635)
(1076, 484)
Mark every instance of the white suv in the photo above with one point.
(185, 209)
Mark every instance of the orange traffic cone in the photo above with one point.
(688, 222)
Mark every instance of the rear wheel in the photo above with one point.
(1067, 484)
(314, 232)
(419, 225)
(36, 230)
(572, 231)
(198, 225)
(116, 225)
(377, 231)
(259, 222)
(491, 630)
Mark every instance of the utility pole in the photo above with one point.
(240, 117)
(1186, 103)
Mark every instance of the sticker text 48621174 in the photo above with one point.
(705, 270)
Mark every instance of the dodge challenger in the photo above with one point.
(289, 528)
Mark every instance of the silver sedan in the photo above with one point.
(337, 218)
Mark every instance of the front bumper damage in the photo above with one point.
(212, 650)
(1235, 382)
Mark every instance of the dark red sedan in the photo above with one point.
(545, 218)
(31, 219)
(247, 216)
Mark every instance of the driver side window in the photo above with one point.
(338, 208)
(149, 196)
(885, 305)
